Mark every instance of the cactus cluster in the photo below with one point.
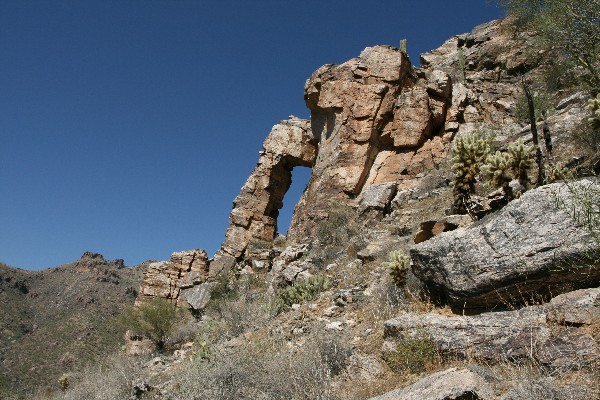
(521, 160)
(471, 156)
(503, 167)
(304, 290)
(497, 168)
(559, 173)
(468, 152)
(594, 106)
(398, 266)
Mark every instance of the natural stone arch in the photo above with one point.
(256, 208)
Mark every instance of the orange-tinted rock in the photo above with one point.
(166, 279)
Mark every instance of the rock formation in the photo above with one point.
(451, 384)
(253, 219)
(379, 136)
(529, 248)
(554, 334)
(176, 279)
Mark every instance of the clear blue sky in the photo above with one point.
(128, 127)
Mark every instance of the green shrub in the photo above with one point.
(414, 354)
(542, 105)
(397, 265)
(337, 227)
(301, 291)
(154, 319)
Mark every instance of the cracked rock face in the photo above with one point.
(169, 279)
(529, 248)
(450, 384)
(529, 333)
(374, 123)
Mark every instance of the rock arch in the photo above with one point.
(256, 208)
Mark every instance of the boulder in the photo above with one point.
(198, 296)
(529, 248)
(529, 333)
(581, 307)
(450, 384)
(377, 197)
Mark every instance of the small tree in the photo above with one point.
(154, 319)
(567, 28)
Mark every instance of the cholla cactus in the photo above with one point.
(521, 160)
(305, 290)
(594, 106)
(468, 153)
(498, 167)
(559, 173)
(398, 266)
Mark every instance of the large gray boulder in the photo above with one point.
(533, 333)
(451, 384)
(529, 248)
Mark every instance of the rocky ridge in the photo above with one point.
(378, 143)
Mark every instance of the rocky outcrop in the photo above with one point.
(547, 333)
(376, 123)
(253, 220)
(450, 384)
(531, 248)
(380, 127)
(176, 279)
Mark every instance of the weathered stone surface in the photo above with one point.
(198, 296)
(377, 120)
(439, 84)
(351, 104)
(450, 384)
(494, 336)
(363, 367)
(581, 307)
(412, 119)
(430, 229)
(505, 335)
(256, 208)
(528, 248)
(166, 279)
(377, 197)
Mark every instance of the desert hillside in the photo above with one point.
(447, 246)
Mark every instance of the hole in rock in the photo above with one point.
(300, 178)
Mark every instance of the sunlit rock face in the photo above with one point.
(376, 120)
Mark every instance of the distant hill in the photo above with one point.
(59, 319)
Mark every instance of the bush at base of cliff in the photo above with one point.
(154, 319)
(267, 369)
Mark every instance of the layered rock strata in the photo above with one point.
(557, 334)
(253, 220)
(175, 279)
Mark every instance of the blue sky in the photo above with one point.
(128, 127)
